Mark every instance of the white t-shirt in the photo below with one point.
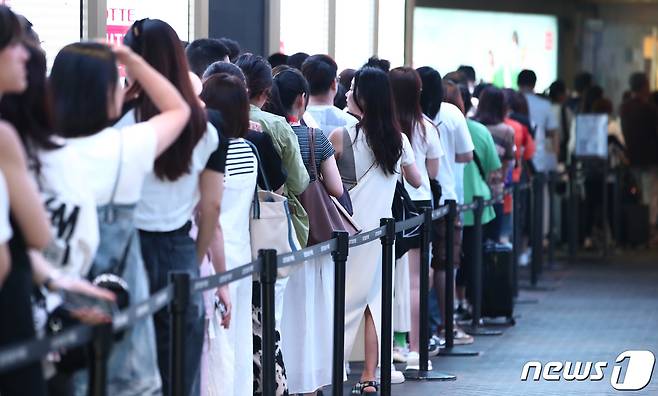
(424, 147)
(5, 226)
(99, 155)
(455, 139)
(167, 205)
(330, 117)
(71, 208)
(544, 119)
(408, 157)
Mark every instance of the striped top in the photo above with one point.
(240, 158)
(323, 148)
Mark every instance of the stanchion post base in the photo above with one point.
(417, 375)
(481, 331)
(526, 301)
(457, 351)
(539, 287)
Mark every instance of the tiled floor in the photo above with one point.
(598, 310)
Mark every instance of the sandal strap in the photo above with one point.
(360, 386)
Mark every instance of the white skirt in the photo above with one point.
(401, 296)
(307, 325)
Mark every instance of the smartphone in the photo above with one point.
(73, 301)
(220, 307)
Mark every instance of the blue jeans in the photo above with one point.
(175, 251)
(132, 367)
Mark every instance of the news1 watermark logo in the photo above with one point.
(638, 366)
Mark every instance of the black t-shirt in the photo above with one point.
(217, 160)
(272, 165)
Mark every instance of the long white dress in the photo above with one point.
(228, 363)
(371, 198)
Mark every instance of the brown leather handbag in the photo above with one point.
(325, 214)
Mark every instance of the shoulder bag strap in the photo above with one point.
(311, 145)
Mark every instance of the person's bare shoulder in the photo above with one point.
(10, 144)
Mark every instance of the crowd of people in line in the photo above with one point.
(117, 176)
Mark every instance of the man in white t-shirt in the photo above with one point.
(5, 230)
(458, 148)
(541, 115)
(320, 72)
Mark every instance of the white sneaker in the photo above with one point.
(400, 354)
(525, 257)
(413, 362)
(396, 376)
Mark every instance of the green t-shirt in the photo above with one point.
(473, 183)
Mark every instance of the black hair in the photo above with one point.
(287, 85)
(201, 53)
(467, 71)
(372, 93)
(526, 78)
(157, 42)
(258, 73)
(381, 64)
(277, 59)
(227, 68)
(320, 72)
(556, 90)
(590, 97)
(466, 97)
(432, 94)
(638, 81)
(406, 86)
(11, 30)
(340, 100)
(296, 60)
(491, 108)
(477, 91)
(30, 112)
(233, 46)
(345, 78)
(582, 81)
(83, 80)
(228, 95)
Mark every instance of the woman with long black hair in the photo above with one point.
(308, 305)
(424, 138)
(374, 152)
(187, 177)
(114, 163)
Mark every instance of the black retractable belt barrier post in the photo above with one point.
(423, 373)
(340, 258)
(552, 180)
(616, 205)
(537, 228)
(386, 335)
(178, 309)
(449, 298)
(604, 208)
(573, 210)
(516, 236)
(267, 295)
(477, 282)
(99, 350)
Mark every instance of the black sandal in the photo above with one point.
(360, 386)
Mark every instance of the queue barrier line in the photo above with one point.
(24, 353)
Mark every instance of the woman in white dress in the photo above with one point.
(378, 147)
(308, 299)
(228, 367)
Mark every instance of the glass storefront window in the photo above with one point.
(390, 43)
(304, 26)
(57, 22)
(355, 24)
(122, 13)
